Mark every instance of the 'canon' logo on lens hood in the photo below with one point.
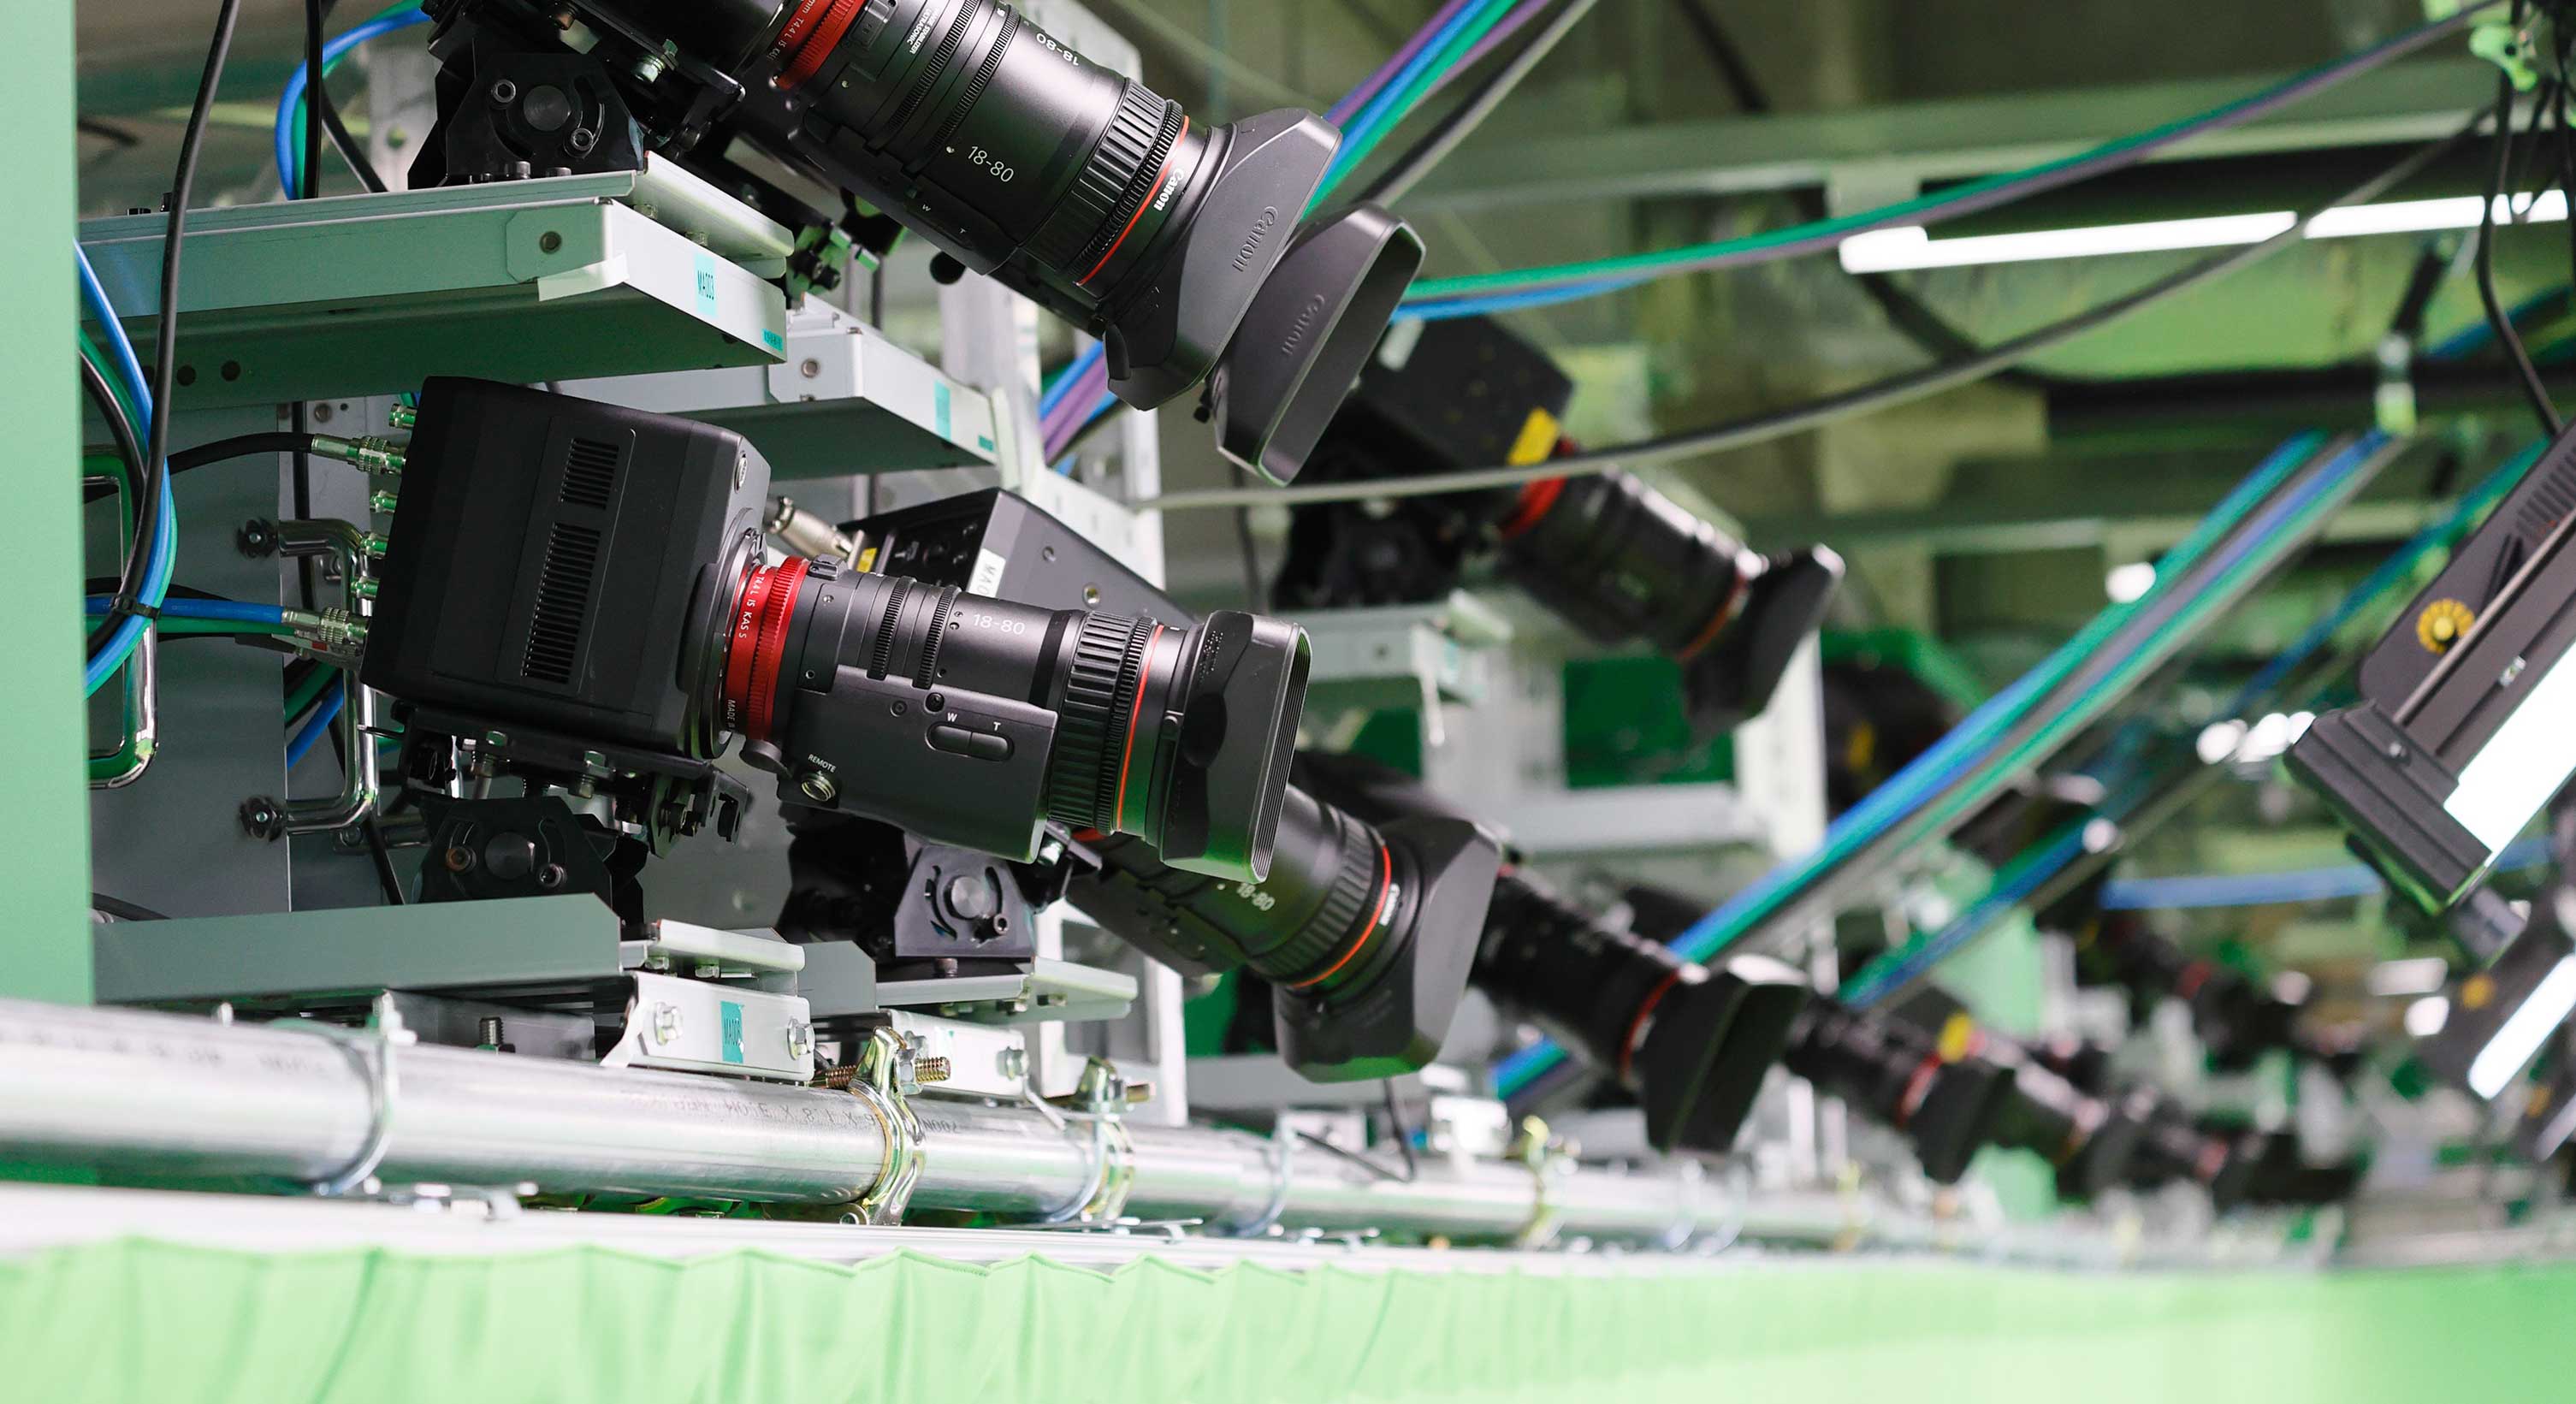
(1260, 230)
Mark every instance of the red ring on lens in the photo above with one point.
(1645, 1012)
(817, 48)
(1536, 501)
(799, 25)
(759, 646)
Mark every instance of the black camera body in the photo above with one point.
(1184, 247)
(578, 592)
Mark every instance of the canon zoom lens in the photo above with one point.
(1691, 1042)
(1944, 1102)
(973, 721)
(1364, 934)
(1620, 560)
(1103, 201)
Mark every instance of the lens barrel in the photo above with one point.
(1946, 1106)
(1691, 1042)
(1365, 934)
(971, 721)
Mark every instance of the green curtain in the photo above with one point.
(139, 1321)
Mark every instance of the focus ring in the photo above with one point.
(1326, 937)
(1083, 215)
(1131, 204)
(1107, 655)
(777, 612)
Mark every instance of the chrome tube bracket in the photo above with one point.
(371, 1052)
(1279, 1154)
(1100, 1099)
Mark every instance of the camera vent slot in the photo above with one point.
(590, 474)
(563, 594)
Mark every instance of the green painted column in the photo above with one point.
(44, 825)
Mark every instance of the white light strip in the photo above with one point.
(2514, 1045)
(2523, 764)
(1910, 246)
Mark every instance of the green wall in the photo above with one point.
(44, 825)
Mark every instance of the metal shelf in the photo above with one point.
(1630, 819)
(532, 280)
(845, 400)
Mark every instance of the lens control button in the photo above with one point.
(955, 740)
(987, 747)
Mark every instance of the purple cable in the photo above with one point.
(1340, 112)
(1494, 38)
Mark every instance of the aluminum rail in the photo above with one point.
(176, 1097)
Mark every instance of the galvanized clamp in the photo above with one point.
(1550, 1162)
(877, 1081)
(1277, 1153)
(1100, 1099)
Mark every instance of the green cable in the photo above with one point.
(310, 689)
(1356, 147)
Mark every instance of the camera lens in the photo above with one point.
(1364, 934)
(1082, 189)
(1946, 1105)
(867, 691)
(1691, 1042)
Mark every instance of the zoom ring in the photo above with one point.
(1326, 938)
(1083, 215)
(1108, 652)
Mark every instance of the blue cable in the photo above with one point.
(1062, 382)
(121, 643)
(1972, 923)
(234, 610)
(287, 102)
(1957, 752)
(316, 722)
(1449, 308)
(2198, 890)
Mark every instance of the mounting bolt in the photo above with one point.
(800, 1040)
(2397, 750)
(459, 859)
(551, 876)
(487, 1033)
(505, 92)
(261, 819)
(648, 68)
(256, 538)
(583, 139)
(666, 1023)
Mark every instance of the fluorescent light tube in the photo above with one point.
(1911, 246)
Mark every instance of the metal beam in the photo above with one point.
(44, 944)
(1888, 146)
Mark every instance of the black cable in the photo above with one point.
(1253, 593)
(108, 131)
(1866, 399)
(2041, 181)
(386, 876)
(1396, 1128)
(1392, 184)
(350, 151)
(2511, 340)
(238, 446)
(165, 343)
(311, 184)
(1729, 59)
(123, 910)
(1355, 1158)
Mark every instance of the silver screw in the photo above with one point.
(800, 1040)
(741, 469)
(810, 369)
(666, 1023)
(648, 68)
(2512, 671)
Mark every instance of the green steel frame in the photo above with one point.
(44, 830)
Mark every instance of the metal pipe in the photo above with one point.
(181, 1097)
